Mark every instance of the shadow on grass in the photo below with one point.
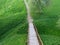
(10, 25)
(23, 29)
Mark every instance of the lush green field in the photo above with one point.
(13, 23)
(48, 22)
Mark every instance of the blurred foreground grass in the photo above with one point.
(48, 22)
(13, 23)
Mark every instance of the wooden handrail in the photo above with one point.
(38, 36)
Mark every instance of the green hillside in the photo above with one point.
(13, 23)
(14, 26)
(48, 22)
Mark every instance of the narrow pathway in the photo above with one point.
(32, 36)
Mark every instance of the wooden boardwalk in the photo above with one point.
(32, 40)
(32, 36)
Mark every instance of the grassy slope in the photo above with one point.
(48, 23)
(13, 24)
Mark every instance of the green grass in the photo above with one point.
(13, 23)
(48, 22)
(16, 36)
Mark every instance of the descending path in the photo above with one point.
(32, 36)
